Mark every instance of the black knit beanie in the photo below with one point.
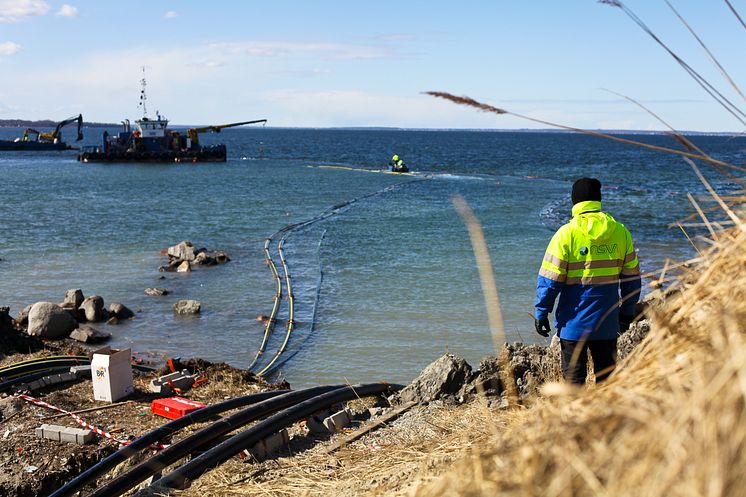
(586, 189)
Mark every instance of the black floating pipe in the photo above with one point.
(181, 476)
(184, 447)
(160, 433)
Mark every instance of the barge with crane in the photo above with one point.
(150, 140)
(34, 140)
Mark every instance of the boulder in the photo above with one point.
(204, 259)
(184, 251)
(221, 257)
(89, 334)
(632, 338)
(486, 380)
(75, 312)
(442, 378)
(48, 320)
(74, 297)
(94, 310)
(156, 292)
(187, 307)
(22, 318)
(6, 322)
(184, 267)
(120, 311)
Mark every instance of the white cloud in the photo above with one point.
(170, 14)
(67, 11)
(9, 48)
(18, 10)
(286, 49)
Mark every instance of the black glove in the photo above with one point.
(542, 326)
(624, 321)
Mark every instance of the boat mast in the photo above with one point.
(143, 95)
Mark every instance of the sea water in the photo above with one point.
(382, 286)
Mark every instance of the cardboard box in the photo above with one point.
(111, 373)
(174, 407)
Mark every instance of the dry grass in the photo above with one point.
(416, 448)
(670, 422)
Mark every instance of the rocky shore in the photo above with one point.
(36, 466)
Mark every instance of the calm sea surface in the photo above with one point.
(382, 285)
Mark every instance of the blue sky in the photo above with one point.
(344, 63)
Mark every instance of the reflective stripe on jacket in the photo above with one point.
(586, 263)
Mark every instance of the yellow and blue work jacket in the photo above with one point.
(588, 261)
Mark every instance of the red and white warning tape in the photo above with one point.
(77, 418)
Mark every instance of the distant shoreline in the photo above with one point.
(46, 123)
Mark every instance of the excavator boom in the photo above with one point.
(193, 133)
(69, 120)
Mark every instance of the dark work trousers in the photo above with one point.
(604, 359)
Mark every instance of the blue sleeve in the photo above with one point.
(630, 287)
(546, 293)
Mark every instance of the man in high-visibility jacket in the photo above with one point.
(588, 261)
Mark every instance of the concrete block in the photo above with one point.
(67, 376)
(52, 432)
(315, 423)
(64, 434)
(53, 379)
(338, 420)
(270, 445)
(315, 426)
(81, 371)
(67, 435)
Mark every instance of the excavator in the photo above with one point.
(193, 133)
(54, 136)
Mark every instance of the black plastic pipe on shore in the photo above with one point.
(40, 373)
(181, 476)
(13, 369)
(184, 447)
(127, 451)
(21, 369)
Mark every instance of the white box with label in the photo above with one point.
(111, 373)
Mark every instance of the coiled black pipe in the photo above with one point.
(41, 373)
(20, 369)
(184, 447)
(45, 368)
(160, 433)
(4, 371)
(180, 477)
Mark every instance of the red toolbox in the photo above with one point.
(174, 407)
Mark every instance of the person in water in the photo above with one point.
(396, 163)
(587, 263)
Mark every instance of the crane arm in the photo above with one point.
(193, 133)
(62, 124)
(29, 132)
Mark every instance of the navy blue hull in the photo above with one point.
(32, 145)
(205, 154)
